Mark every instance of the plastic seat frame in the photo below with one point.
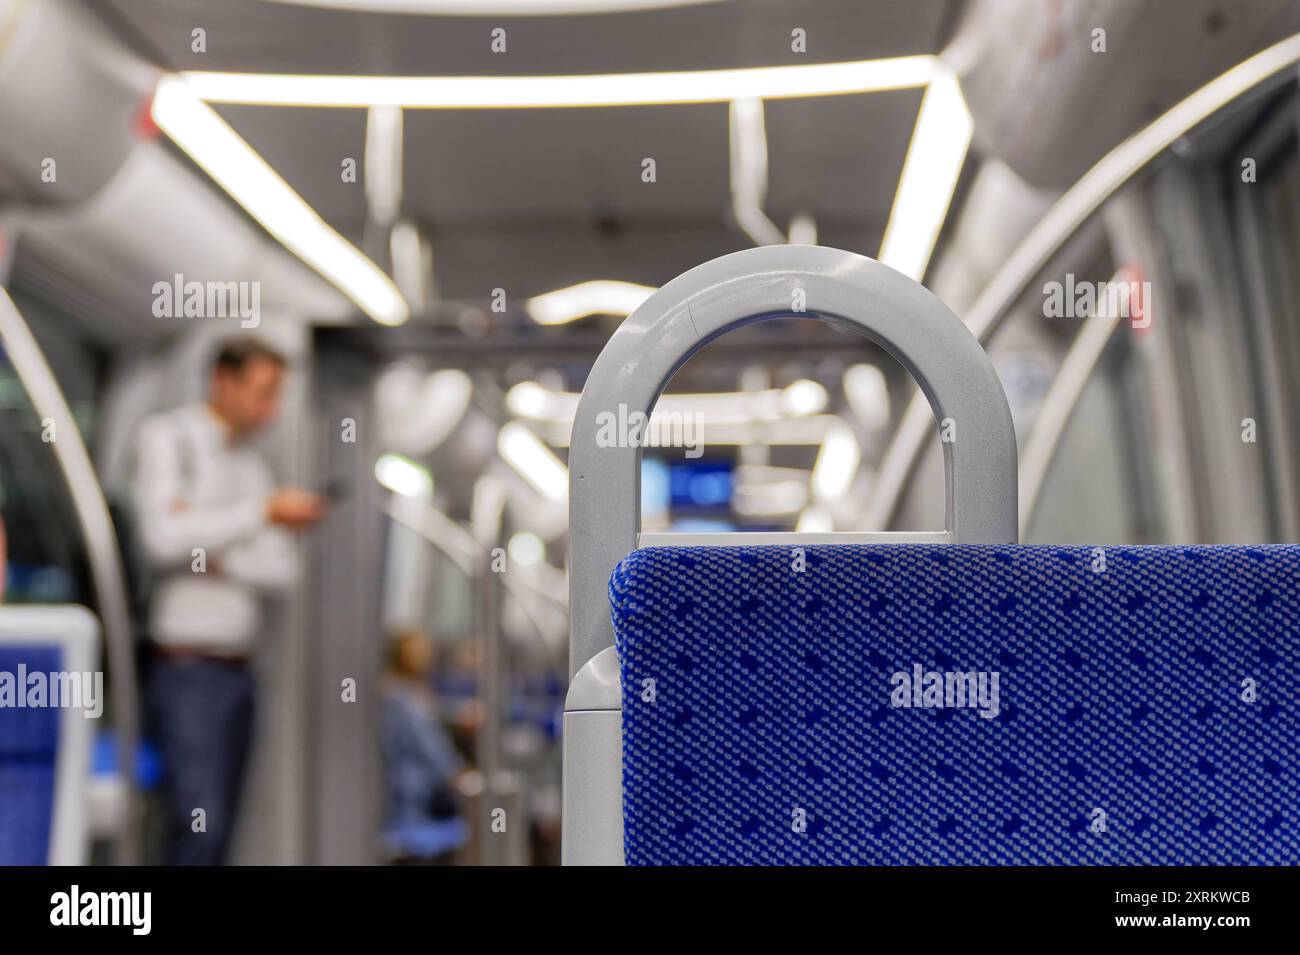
(845, 289)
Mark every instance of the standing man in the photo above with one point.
(216, 534)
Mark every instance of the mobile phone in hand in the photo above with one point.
(335, 489)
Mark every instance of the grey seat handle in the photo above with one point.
(845, 289)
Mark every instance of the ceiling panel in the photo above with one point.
(307, 148)
(559, 195)
(838, 157)
(468, 264)
(532, 200)
(566, 166)
(253, 36)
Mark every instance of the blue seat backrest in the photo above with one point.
(29, 744)
(1147, 707)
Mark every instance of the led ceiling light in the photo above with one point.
(814, 520)
(526, 548)
(534, 461)
(867, 392)
(836, 464)
(543, 92)
(403, 476)
(528, 399)
(244, 175)
(935, 157)
(484, 8)
(588, 298)
(802, 398)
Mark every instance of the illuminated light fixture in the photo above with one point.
(935, 157)
(587, 298)
(552, 92)
(220, 152)
(403, 476)
(837, 463)
(814, 520)
(868, 396)
(534, 461)
(483, 8)
(528, 399)
(526, 549)
(802, 398)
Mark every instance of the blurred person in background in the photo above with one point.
(214, 530)
(423, 823)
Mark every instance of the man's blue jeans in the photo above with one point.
(202, 715)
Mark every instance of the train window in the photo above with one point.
(1179, 433)
(1102, 486)
(46, 554)
(1264, 212)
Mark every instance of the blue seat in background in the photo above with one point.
(427, 839)
(29, 746)
(1148, 705)
(45, 750)
(106, 760)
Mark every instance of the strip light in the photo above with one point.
(935, 156)
(601, 297)
(526, 548)
(551, 92)
(836, 464)
(403, 476)
(240, 171)
(534, 461)
(801, 398)
(484, 8)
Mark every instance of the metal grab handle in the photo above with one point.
(845, 289)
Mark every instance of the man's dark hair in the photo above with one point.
(235, 354)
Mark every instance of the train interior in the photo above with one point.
(443, 242)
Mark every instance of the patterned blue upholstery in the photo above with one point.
(1147, 705)
(29, 742)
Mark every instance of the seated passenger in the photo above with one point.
(423, 822)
